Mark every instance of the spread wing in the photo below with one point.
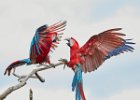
(41, 42)
(58, 28)
(103, 46)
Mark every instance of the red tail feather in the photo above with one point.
(81, 92)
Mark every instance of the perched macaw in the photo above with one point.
(93, 53)
(45, 39)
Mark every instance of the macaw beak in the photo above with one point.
(68, 40)
(56, 39)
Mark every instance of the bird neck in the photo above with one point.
(74, 49)
(74, 56)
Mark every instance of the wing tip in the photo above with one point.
(113, 29)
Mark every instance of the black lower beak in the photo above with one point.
(54, 40)
(68, 44)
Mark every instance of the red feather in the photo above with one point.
(41, 45)
(98, 47)
(92, 54)
(82, 92)
(45, 43)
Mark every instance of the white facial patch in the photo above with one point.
(53, 37)
(71, 42)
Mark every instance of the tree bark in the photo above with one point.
(30, 94)
(24, 78)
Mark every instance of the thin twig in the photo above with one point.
(25, 78)
(21, 77)
(30, 94)
(39, 77)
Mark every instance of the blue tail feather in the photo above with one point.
(77, 93)
(76, 81)
(27, 61)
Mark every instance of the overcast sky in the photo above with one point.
(117, 79)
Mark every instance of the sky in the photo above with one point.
(117, 79)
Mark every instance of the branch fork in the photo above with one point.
(24, 78)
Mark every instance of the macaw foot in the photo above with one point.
(52, 65)
(39, 65)
(65, 61)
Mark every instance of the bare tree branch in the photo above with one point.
(20, 77)
(24, 78)
(39, 77)
(30, 94)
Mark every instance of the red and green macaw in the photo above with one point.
(93, 53)
(45, 39)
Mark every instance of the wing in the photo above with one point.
(57, 28)
(41, 42)
(101, 47)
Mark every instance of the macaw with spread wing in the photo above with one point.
(45, 40)
(93, 53)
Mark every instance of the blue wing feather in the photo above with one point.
(35, 41)
(123, 48)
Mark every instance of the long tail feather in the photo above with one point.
(16, 64)
(78, 84)
(82, 92)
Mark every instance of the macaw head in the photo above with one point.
(72, 43)
(54, 37)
